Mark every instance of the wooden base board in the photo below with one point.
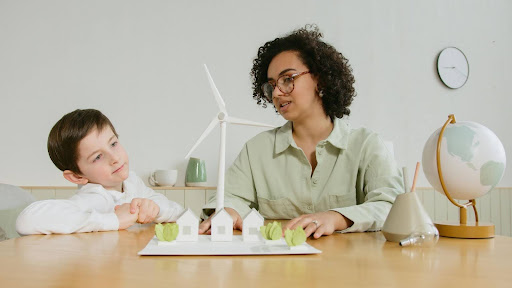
(473, 230)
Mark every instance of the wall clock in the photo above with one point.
(452, 67)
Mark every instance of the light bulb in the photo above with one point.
(427, 236)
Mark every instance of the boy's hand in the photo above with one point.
(147, 209)
(125, 216)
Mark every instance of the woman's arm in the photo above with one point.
(377, 181)
(239, 190)
(380, 181)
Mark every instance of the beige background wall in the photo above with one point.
(140, 62)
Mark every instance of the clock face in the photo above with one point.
(453, 67)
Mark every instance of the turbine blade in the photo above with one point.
(234, 120)
(216, 93)
(205, 133)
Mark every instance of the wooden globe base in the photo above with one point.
(475, 230)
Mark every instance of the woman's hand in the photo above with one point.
(322, 223)
(204, 227)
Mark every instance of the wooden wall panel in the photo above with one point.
(494, 207)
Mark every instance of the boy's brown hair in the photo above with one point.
(67, 133)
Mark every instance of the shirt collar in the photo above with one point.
(340, 133)
(338, 137)
(284, 138)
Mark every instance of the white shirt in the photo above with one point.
(91, 209)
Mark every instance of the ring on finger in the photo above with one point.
(316, 223)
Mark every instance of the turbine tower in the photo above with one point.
(222, 118)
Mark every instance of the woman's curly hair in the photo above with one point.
(325, 63)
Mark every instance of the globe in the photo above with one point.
(472, 160)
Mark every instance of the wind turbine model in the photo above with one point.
(222, 118)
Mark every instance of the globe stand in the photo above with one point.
(476, 230)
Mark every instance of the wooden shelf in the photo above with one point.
(182, 188)
(152, 187)
(49, 187)
(179, 187)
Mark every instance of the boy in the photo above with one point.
(84, 145)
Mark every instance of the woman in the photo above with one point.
(315, 169)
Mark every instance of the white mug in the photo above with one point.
(163, 178)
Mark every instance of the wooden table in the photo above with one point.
(109, 259)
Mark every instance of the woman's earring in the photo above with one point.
(321, 94)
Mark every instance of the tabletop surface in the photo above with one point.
(109, 259)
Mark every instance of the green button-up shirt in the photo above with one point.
(356, 176)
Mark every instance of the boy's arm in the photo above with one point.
(63, 217)
(90, 209)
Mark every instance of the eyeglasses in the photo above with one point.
(285, 84)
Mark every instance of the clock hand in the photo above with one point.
(455, 68)
(460, 72)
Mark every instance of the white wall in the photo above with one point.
(140, 62)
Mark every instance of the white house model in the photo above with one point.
(188, 224)
(251, 227)
(222, 226)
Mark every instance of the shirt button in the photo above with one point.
(315, 180)
(309, 208)
(320, 152)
